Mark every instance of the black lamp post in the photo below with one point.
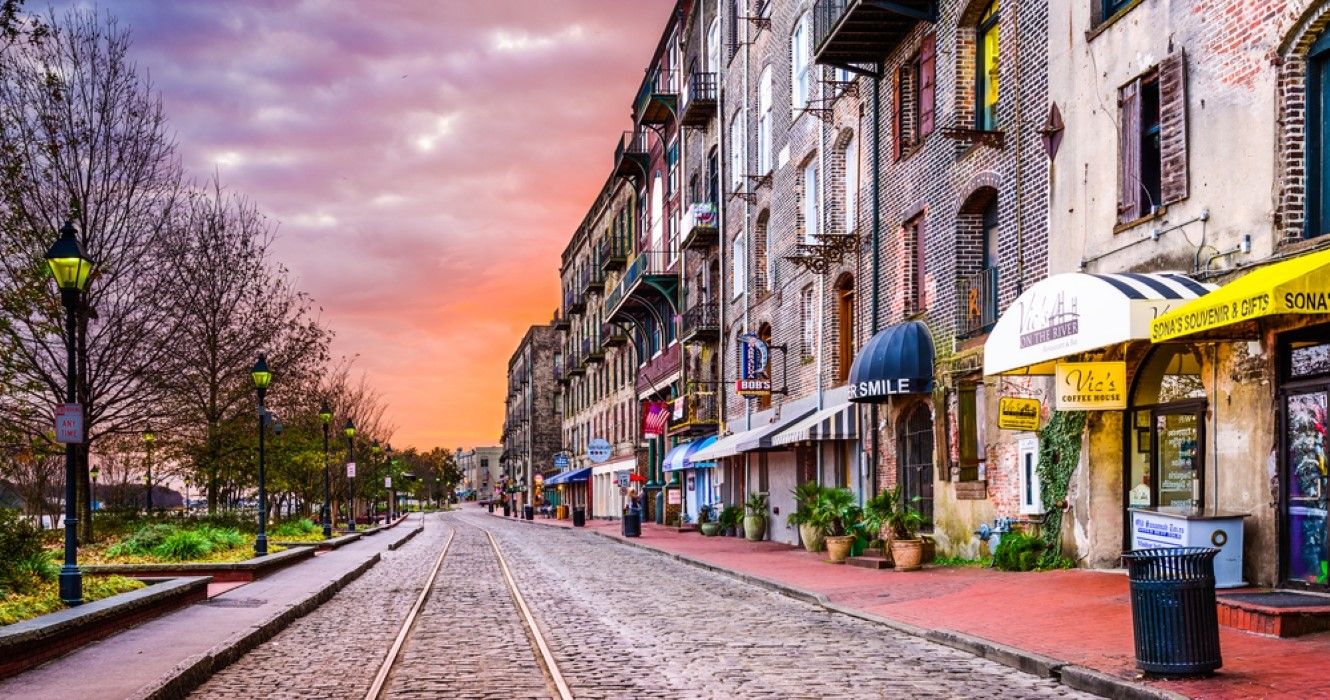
(392, 488)
(148, 439)
(262, 377)
(70, 267)
(350, 431)
(93, 473)
(325, 415)
(374, 451)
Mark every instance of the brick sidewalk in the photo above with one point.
(1076, 616)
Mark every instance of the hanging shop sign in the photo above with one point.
(655, 416)
(675, 497)
(1091, 386)
(1016, 413)
(754, 367)
(598, 450)
(560, 460)
(69, 423)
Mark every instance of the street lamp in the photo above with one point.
(148, 439)
(375, 450)
(325, 415)
(350, 431)
(93, 474)
(392, 490)
(262, 378)
(70, 267)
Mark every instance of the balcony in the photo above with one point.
(593, 279)
(573, 303)
(700, 413)
(699, 99)
(631, 156)
(701, 226)
(701, 323)
(652, 376)
(592, 352)
(612, 335)
(559, 321)
(613, 252)
(573, 361)
(860, 33)
(658, 98)
(651, 277)
(978, 307)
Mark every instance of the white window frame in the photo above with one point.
(801, 64)
(714, 47)
(851, 156)
(736, 151)
(1027, 455)
(740, 266)
(812, 221)
(808, 311)
(764, 135)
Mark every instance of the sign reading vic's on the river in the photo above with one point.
(1018, 414)
(1091, 386)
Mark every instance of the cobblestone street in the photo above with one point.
(621, 623)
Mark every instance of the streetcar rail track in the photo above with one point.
(546, 658)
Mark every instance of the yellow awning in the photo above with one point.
(1298, 286)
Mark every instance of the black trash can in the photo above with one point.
(579, 516)
(632, 522)
(490, 505)
(507, 510)
(1173, 610)
(529, 512)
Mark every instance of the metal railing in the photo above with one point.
(978, 301)
(701, 87)
(659, 81)
(702, 317)
(699, 408)
(826, 15)
(631, 143)
(613, 248)
(700, 215)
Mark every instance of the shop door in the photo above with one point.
(914, 459)
(1305, 499)
(1179, 461)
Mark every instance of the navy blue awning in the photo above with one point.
(898, 360)
(569, 477)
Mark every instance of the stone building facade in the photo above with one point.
(532, 426)
(481, 470)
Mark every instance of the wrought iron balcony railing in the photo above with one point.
(701, 322)
(701, 225)
(978, 296)
(699, 99)
(613, 252)
(862, 32)
(700, 412)
(613, 335)
(658, 97)
(631, 155)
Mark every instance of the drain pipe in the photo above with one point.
(877, 273)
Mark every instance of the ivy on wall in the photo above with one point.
(1059, 453)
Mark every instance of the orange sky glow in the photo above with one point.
(426, 162)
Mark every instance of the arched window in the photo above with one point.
(850, 161)
(737, 150)
(812, 219)
(801, 64)
(764, 122)
(713, 46)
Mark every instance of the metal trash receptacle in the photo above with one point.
(529, 512)
(1173, 610)
(490, 505)
(507, 509)
(579, 516)
(632, 522)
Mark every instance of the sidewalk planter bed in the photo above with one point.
(232, 572)
(838, 548)
(26, 644)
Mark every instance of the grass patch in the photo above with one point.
(960, 561)
(46, 597)
(163, 543)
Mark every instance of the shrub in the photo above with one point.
(23, 562)
(231, 520)
(183, 545)
(297, 528)
(1018, 552)
(144, 540)
(222, 537)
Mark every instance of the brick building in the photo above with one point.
(481, 471)
(532, 426)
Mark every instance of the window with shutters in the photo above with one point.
(912, 280)
(969, 432)
(1152, 143)
(915, 95)
(808, 316)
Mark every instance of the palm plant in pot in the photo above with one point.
(904, 521)
(731, 517)
(708, 524)
(807, 517)
(837, 508)
(755, 522)
(876, 511)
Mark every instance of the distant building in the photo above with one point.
(531, 424)
(481, 470)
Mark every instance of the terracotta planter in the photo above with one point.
(710, 529)
(755, 526)
(838, 548)
(812, 537)
(908, 555)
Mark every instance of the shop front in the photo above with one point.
(610, 483)
(833, 433)
(697, 483)
(1266, 335)
(1078, 342)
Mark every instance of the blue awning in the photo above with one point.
(569, 476)
(679, 457)
(898, 360)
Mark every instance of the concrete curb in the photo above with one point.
(191, 673)
(418, 529)
(1071, 675)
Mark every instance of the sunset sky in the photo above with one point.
(427, 161)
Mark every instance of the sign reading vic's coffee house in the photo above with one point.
(1091, 386)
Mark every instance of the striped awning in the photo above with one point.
(838, 422)
(1078, 312)
(680, 456)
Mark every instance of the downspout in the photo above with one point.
(818, 347)
(743, 129)
(877, 275)
(1020, 215)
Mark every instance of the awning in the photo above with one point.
(756, 439)
(898, 360)
(680, 456)
(1044, 323)
(838, 422)
(1300, 286)
(569, 477)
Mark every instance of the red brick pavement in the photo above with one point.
(1077, 616)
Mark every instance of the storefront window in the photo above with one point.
(1306, 498)
(1166, 430)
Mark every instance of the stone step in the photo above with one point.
(1276, 613)
(868, 562)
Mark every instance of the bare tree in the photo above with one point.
(83, 138)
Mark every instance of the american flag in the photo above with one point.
(655, 416)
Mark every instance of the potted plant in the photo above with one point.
(755, 522)
(730, 519)
(876, 511)
(837, 508)
(709, 527)
(806, 516)
(904, 522)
